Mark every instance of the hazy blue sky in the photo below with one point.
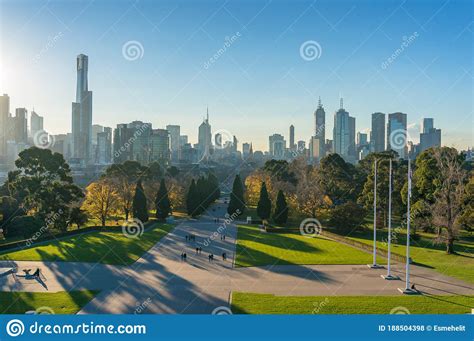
(260, 84)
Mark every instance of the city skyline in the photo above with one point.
(283, 89)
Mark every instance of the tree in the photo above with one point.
(280, 216)
(347, 217)
(449, 195)
(264, 207)
(43, 186)
(309, 192)
(78, 217)
(102, 200)
(237, 201)
(26, 227)
(337, 178)
(466, 220)
(192, 200)
(9, 209)
(162, 202)
(139, 206)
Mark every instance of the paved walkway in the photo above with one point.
(160, 282)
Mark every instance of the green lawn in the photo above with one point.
(59, 302)
(103, 247)
(424, 252)
(249, 303)
(259, 248)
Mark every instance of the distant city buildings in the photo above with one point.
(318, 144)
(277, 146)
(397, 133)
(204, 139)
(4, 113)
(430, 136)
(377, 134)
(36, 123)
(344, 135)
(175, 143)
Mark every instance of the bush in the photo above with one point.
(24, 226)
(347, 217)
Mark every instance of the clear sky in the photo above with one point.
(258, 85)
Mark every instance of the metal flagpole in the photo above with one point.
(389, 275)
(408, 290)
(374, 264)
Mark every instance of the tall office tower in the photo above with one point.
(235, 143)
(82, 113)
(245, 150)
(159, 146)
(175, 145)
(397, 133)
(430, 137)
(363, 148)
(21, 125)
(131, 142)
(352, 140)
(315, 149)
(320, 128)
(301, 146)
(428, 124)
(277, 146)
(104, 146)
(344, 134)
(377, 134)
(292, 137)
(4, 113)
(204, 139)
(36, 123)
(96, 129)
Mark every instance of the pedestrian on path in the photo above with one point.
(224, 256)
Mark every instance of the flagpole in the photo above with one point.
(374, 264)
(389, 275)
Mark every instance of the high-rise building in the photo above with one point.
(320, 128)
(4, 113)
(175, 145)
(292, 137)
(104, 146)
(204, 139)
(397, 133)
(21, 125)
(377, 134)
(352, 140)
(245, 150)
(82, 113)
(159, 146)
(344, 134)
(277, 146)
(183, 139)
(36, 123)
(430, 137)
(131, 142)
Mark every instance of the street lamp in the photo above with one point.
(389, 276)
(374, 264)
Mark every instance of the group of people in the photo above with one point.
(190, 237)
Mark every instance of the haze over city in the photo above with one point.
(261, 83)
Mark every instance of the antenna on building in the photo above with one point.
(342, 103)
(207, 114)
(319, 102)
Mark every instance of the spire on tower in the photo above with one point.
(319, 102)
(207, 114)
(342, 103)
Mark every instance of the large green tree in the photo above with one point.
(139, 206)
(192, 200)
(162, 202)
(237, 201)
(280, 216)
(338, 178)
(264, 206)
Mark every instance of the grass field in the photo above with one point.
(249, 303)
(258, 248)
(58, 302)
(425, 253)
(101, 247)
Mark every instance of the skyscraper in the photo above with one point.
(104, 146)
(4, 112)
(36, 123)
(82, 113)
(397, 133)
(428, 124)
(204, 139)
(377, 134)
(21, 125)
(320, 128)
(344, 134)
(292, 137)
(430, 137)
(175, 147)
(277, 146)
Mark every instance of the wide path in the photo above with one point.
(160, 282)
